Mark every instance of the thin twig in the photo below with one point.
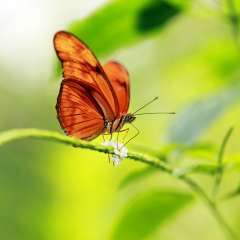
(220, 168)
(212, 207)
(15, 134)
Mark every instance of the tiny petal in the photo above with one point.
(117, 152)
(119, 145)
(124, 153)
(106, 143)
(116, 159)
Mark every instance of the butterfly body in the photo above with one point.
(93, 99)
(118, 124)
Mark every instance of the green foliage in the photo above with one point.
(115, 26)
(147, 212)
(188, 57)
(233, 194)
(144, 206)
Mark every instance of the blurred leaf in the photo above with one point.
(208, 169)
(233, 194)
(196, 149)
(188, 125)
(234, 19)
(223, 60)
(205, 169)
(147, 212)
(137, 176)
(123, 22)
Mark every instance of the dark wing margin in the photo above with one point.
(119, 78)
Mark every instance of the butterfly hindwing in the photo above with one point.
(77, 112)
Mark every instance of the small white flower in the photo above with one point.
(120, 151)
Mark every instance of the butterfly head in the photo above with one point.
(128, 118)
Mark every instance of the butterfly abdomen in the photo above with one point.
(118, 123)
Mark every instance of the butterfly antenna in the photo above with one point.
(146, 105)
(154, 113)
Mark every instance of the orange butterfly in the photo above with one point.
(93, 99)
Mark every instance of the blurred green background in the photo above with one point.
(185, 52)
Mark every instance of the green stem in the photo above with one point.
(212, 207)
(15, 134)
(220, 168)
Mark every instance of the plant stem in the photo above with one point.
(15, 134)
(212, 207)
(220, 168)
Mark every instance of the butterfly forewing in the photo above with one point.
(80, 64)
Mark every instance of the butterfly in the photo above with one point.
(93, 99)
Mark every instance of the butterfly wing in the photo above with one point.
(80, 65)
(119, 78)
(77, 111)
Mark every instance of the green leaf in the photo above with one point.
(191, 123)
(233, 194)
(208, 169)
(122, 22)
(148, 211)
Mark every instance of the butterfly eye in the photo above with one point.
(107, 124)
(129, 118)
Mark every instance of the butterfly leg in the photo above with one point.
(103, 137)
(137, 133)
(108, 153)
(117, 137)
(126, 133)
(111, 135)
